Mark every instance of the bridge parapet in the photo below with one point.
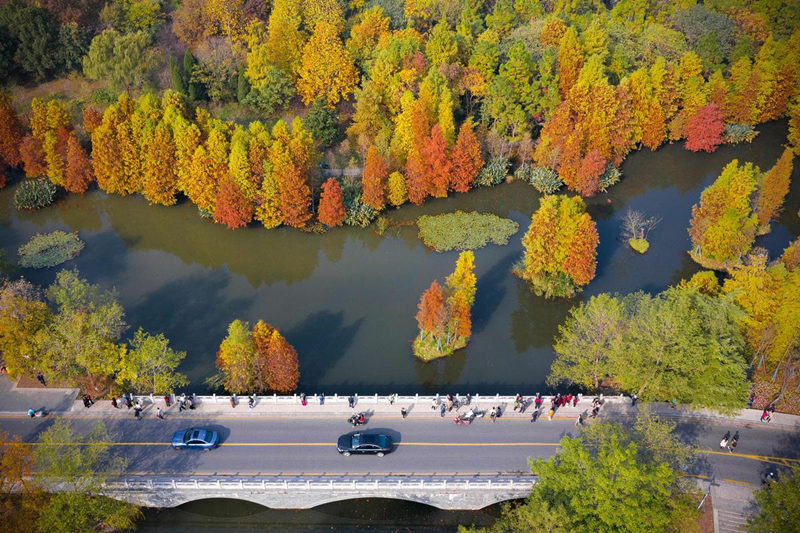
(445, 491)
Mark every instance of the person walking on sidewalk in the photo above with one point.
(233, 400)
(40, 377)
(765, 416)
(538, 401)
(403, 412)
(535, 415)
(351, 401)
(87, 401)
(167, 400)
(633, 399)
(493, 414)
(579, 421)
(251, 402)
(159, 414)
(114, 403)
(550, 413)
(137, 412)
(575, 400)
(126, 398)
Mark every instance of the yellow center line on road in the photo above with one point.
(763, 458)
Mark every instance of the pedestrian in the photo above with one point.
(127, 399)
(674, 402)
(569, 400)
(40, 377)
(733, 442)
(167, 400)
(751, 400)
(322, 398)
(538, 401)
(190, 403)
(449, 402)
(303, 400)
(232, 399)
(493, 414)
(159, 414)
(441, 410)
(392, 398)
(87, 401)
(579, 421)
(765, 416)
(251, 402)
(114, 403)
(31, 412)
(595, 410)
(550, 413)
(403, 412)
(468, 399)
(351, 401)
(137, 411)
(575, 400)
(535, 416)
(725, 438)
(517, 401)
(633, 399)
(181, 405)
(516, 404)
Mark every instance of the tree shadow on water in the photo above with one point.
(491, 291)
(320, 340)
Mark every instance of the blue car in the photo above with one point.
(195, 439)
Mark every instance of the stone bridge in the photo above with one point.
(447, 491)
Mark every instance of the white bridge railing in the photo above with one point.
(520, 482)
(317, 399)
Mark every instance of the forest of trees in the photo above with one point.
(430, 97)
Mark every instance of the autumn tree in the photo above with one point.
(438, 166)
(231, 207)
(32, 157)
(570, 60)
(236, 359)
(276, 363)
(723, 225)
(396, 193)
(78, 172)
(773, 188)
(445, 316)
(160, 178)
(374, 179)
(704, 129)
(331, 204)
(24, 316)
(326, 71)
(560, 248)
(467, 159)
(11, 132)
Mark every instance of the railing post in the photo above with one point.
(263, 485)
(241, 484)
(376, 399)
(275, 396)
(214, 396)
(174, 486)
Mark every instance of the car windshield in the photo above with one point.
(187, 435)
(356, 440)
(382, 441)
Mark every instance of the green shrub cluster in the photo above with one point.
(464, 231)
(736, 133)
(49, 249)
(34, 194)
(358, 213)
(610, 177)
(494, 172)
(543, 179)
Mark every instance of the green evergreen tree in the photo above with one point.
(178, 84)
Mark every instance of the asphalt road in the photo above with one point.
(274, 445)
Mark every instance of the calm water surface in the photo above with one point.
(347, 299)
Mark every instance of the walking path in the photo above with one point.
(17, 401)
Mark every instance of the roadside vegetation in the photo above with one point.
(635, 477)
(79, 464)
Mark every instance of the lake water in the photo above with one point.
(347, 299)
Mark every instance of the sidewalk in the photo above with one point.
(64, 401)
(18, 401)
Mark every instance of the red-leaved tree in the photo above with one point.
(438, 167)
(704, 129)
(331, 204)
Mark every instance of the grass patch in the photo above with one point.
(429, 349)
(464, 231)
(640, 245)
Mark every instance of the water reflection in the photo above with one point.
(347, 299)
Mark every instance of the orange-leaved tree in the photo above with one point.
(467, 159)
(78, 172)
(11, 132)
(438, 167)
(232, 208)
(331, 204)
(276, 363)
(560, 247)
(373, 181)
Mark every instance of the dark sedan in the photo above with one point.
(362, 443)
(195, 439)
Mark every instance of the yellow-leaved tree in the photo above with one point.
(326, 70)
